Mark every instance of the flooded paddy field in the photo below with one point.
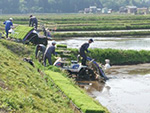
(127, 91)
(134, 43)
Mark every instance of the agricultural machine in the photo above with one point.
(28, 34)
(92, 71)
(35, 38)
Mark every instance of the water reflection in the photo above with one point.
(126, 95)
(127, 91)
(138, 43)
(91, 86)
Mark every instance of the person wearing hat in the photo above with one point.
(48, 53)
(33, 21)
(83, 49)
(8, 25)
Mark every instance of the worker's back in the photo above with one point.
(8, 23)
(84, 47)
(50, 50)
(33, 19)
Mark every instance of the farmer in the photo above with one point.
(82, 50)
(48, 53)
(8, 25)
(40, 49)
(33, 21)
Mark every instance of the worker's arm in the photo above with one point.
(4, 22)
(54, 51)
(87, 50)
(11, 24)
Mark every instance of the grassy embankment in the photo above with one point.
(100, 34)
(22, 88)
(77, 95)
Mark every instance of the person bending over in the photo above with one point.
(33, 21)
(39, 52)
(48, 53)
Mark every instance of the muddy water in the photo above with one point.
(127, 91)
(135, 43)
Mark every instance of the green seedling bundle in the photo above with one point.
(76, 95)
(21, 31)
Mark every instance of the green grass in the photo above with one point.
(22, 88)
(100, 34)
(61, 46)
(78, 97)
(117, 57)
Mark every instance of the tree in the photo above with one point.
(64, 6)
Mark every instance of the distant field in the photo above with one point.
(85, 22)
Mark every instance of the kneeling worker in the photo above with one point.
(48, 53)
(82, 50)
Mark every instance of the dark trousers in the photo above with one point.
(35, 24)
(49, 60)
(84, 57)
(6, 30)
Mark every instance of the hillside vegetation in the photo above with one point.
(64, 6)
(22, 88)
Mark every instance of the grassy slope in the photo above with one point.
(22, 88)
(78, 96)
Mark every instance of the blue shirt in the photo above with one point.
(8, 23)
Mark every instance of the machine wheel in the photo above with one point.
(95, 69)
(86, 74)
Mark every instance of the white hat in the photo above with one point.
(11, 19)
(53, 42)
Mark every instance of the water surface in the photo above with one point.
(125, 43)
(127, 91)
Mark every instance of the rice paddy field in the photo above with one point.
(19, 89)
(85, 22)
